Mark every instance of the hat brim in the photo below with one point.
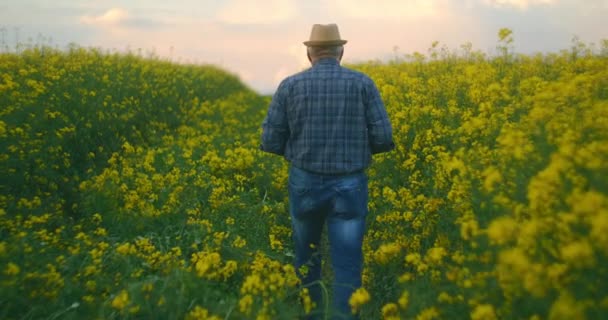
(324, 43)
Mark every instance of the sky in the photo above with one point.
(261, 40)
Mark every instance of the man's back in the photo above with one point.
(335, 119)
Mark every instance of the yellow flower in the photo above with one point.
(469, 229)
(306, 300)
(127, 147)
(515, 259)
(229, 269)
(147, 287)
(12, 269)
(435, 255)
(578, 254)
(458, 257)
(121, 301)
(200, 313)
(444, 297)
(91, 285)
(389, 310)
(245, 304)
(386, 252)
(126, 248)
(599, 230)
(566, 308)
(206, 264)
(527, 232)
(90, 270)
(275, 243)
(101, 232)
(358, 299)
(413, 258)
(406, 277)
(492, 178)
(97, 218)
(502, 230)
(218, 237)
(2, 130)
(404, 300)
(239, 242)
(483, 312)
(134, 309)
(516, 141)
(389, 195)
(428, 314)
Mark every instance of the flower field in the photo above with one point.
(133, 188)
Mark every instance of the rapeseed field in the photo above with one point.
(133, 188)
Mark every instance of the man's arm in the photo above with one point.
(275, 128)
(379, 130)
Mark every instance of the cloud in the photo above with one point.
(387, 9)
(116, 17)
(257, 12)
(519, 4)
(113, 16)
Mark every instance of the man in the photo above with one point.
(327, 121)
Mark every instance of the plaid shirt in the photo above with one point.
(327, 120)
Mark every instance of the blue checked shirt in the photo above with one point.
(327, 120)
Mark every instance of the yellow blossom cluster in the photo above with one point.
(268, 284)
(209, 265)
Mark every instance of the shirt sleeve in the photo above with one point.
(275, 128)
(379, 130)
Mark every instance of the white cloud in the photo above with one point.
(386, 9)
(257, 12)
(113, 16)
(520, 4)
(116, 19)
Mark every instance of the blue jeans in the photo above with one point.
(341, 201)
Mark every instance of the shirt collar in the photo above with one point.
(326, 61)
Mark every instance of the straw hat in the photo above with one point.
(324, 35)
